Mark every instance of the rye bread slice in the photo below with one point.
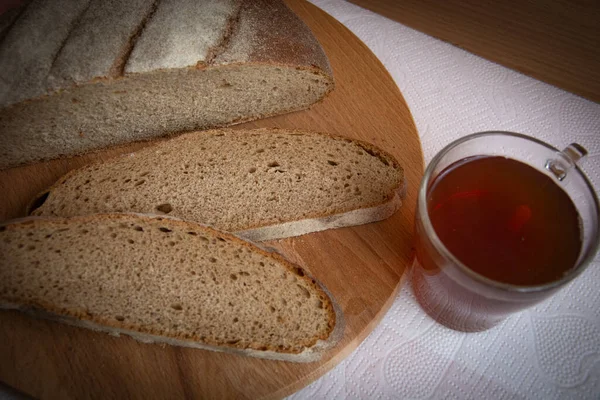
(262, 184)
(164, 280)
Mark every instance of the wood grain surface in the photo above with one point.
(556, 41)
(361, 266)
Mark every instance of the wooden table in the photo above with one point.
(556, 41)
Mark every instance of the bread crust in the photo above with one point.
(358, 216)
(276, 36)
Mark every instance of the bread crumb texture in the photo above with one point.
(163, 277)
(233, 179)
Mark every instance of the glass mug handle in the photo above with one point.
(566, 160)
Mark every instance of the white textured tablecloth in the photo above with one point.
(551, 351)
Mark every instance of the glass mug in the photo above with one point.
(457, 296)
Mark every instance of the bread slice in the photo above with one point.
(262, 184)
(164, 280)
(98, 73)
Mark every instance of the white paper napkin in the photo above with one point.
(551, 351)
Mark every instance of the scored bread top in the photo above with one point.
(82, 75)
(234, 180)
(164, 277)
(267, 31)
(49, 46)
(176, 39)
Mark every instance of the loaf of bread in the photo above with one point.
(164, 280)
(81, 75)
(261, 184)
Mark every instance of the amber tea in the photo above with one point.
(505, 220)
(496, 234)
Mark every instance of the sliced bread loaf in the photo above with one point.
(88, 74)
(262, 184)
(163, 280)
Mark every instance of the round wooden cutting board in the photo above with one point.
(361, 266)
